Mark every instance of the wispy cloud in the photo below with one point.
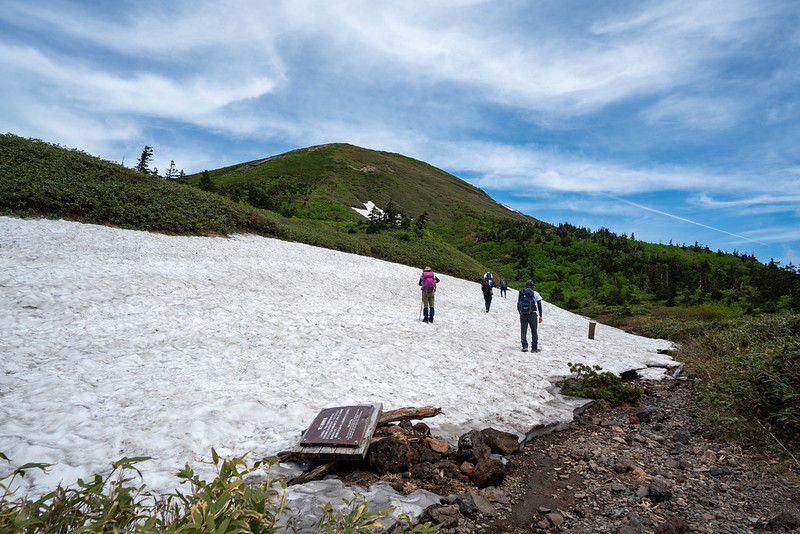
(684, 219)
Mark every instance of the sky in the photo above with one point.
(119, 343)
(673, 121)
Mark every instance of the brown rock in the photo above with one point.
(392, 455)
(439, 445)
(471, 447)
(488, 473)
(500, 442)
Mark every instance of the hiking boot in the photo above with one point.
(536, 349)
(524, 349)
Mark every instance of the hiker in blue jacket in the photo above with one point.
(503, 286)
(529, 306)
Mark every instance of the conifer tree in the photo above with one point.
(206, 184)
(143, 163)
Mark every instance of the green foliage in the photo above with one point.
(226, 504)
(40, 179)
(591, 384)
(231, 503)
(748, 372)
(604, 274)
(356, 519)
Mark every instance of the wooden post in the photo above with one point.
(592, 325)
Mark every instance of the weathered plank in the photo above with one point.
(408, 414)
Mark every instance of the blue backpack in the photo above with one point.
(526, 302)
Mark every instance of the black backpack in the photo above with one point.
(526, 302)
(486, 285)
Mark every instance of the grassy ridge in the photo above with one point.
(39, 179)
(43, 180)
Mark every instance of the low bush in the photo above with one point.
(589, 383)
(231, 503)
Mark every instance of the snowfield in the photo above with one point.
(121, 343)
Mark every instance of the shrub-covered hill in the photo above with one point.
(39, 179)
(325, 182)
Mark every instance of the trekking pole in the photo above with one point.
(420, 311)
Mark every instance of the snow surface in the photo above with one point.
(367, 209)
(121, 343)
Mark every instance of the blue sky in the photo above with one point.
(672, 120)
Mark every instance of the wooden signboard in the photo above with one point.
(342, 432)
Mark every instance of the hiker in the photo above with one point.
(427, 283)
(486, 287)
(529, 306)
(503, 286)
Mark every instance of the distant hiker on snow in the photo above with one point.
(427, 283)
(486, 287)
(529, 306)
(503, 286)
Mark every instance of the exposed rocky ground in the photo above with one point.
(624, 470)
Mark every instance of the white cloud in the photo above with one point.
(530, 168)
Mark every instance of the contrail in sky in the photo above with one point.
(686, 220)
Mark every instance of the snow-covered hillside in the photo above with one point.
(120, 343)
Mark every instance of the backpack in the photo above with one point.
(526, 305)
(486, 285)
(428, 282)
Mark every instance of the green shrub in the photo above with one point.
(589, 383)
(228, 504)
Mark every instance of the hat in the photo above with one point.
(426, 269)
(529, 283)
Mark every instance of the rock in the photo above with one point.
(393, 454)
(447, 515)
(472, 503)
(438, 445)
(425, 471)
(673, 525)
(623, 467)
(500, 442)
(471, 447)
(467, 468)
(427, 455)
(681, 437)
(422, 428)
(488, 473)
(555, 519)
(657, 491)
(394, 429)
(450, 469)
(494, 494)
(784, 520)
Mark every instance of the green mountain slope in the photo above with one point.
(325, 182)
(38, 179)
